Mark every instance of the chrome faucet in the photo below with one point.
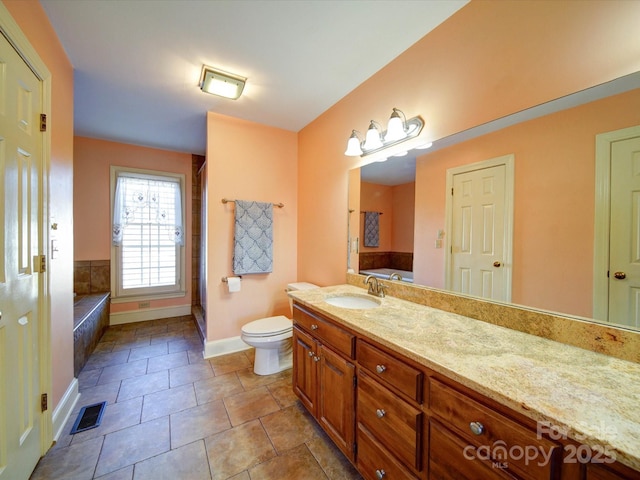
(395, 276)
(375, 287)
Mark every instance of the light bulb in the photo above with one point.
(372, 140)
(353, 146)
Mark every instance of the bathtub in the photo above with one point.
(90, 320)
(386, 272)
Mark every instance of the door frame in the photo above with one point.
(508, 161)
(602, 217)
(12, 32)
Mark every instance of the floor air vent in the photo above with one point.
(89, 417)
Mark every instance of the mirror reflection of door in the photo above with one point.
(624, 253)
(479, 220)
(616, 278)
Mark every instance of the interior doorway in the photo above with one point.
(25, 426)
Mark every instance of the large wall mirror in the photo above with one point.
(567, 199)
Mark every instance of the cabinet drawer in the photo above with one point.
(504, 439)
(395, 423)
(388, 368)
(449, 458)
(330, 334)
(375, 462)
(595, 471)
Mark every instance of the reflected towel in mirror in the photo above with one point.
(371, 229)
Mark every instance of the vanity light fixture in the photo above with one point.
(223, 84)
(399, 130)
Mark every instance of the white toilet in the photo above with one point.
(271, 337)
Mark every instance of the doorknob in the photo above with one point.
(620, 275)
(497, 264)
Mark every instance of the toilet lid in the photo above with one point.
(268, 326)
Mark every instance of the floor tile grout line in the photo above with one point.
(242, 378)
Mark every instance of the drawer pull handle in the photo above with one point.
(314, 327)
(380, 368)
(380, 474)
(476, 428)
(380, 413)
(316, 358)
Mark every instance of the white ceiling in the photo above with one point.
(137, 63)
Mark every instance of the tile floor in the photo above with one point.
(171, 414)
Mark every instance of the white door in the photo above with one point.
(20, 178)
(624, 251)
(480, 226)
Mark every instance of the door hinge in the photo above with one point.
(355, 381)
(452, 191)
(40, 263)
(43, 122)
(355, 448)
(44, 402)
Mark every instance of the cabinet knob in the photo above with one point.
(380, 368)
(380, 474)
(380, 413)
(476, 428)
(311, 354)
(314, 327)
(316, 358)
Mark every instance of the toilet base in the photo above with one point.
(273, 360)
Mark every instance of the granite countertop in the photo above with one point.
(590, 396)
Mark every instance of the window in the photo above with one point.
(148, 234)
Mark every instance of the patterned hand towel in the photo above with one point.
(253, 237)
(371, 229)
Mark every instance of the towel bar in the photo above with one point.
(228, 200)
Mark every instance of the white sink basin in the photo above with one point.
(353, 301)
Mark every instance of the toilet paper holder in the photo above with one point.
(226, 279)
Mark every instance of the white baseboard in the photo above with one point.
(216, 348)
(63, 410)
(147, 314)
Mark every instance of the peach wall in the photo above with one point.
(92, 209)
(34, 23)
(248, 161)
(396, 222)
(377, 198)
(554, 201)
(490, 59)
(404, 201)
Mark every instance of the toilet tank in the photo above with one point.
(298, 286)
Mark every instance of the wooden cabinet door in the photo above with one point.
(305, 369)
(336, 401)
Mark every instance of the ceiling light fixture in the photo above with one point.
(223, 84)
(399, 130)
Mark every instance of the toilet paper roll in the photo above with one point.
(234, 284)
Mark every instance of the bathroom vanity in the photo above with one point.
(411, 392)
